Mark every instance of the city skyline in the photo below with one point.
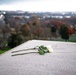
(39, 5)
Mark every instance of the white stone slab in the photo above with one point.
(61, 62)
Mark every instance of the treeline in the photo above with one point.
(16, 30)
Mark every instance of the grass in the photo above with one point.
(4, 50)
(71, 39)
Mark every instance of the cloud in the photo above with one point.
(40, 5)
(7, 1)
(12, 1)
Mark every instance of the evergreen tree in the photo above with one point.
(53, 29)
(64, 32)
(14, 40)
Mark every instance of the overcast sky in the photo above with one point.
(39, 5)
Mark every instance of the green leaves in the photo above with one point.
(42, 50)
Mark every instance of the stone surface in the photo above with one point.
(61, 62)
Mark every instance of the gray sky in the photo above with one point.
(39, 5)
(7, 1)
(13, 1)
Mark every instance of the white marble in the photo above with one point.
(61, 62)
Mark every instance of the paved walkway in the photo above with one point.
(61, 62)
